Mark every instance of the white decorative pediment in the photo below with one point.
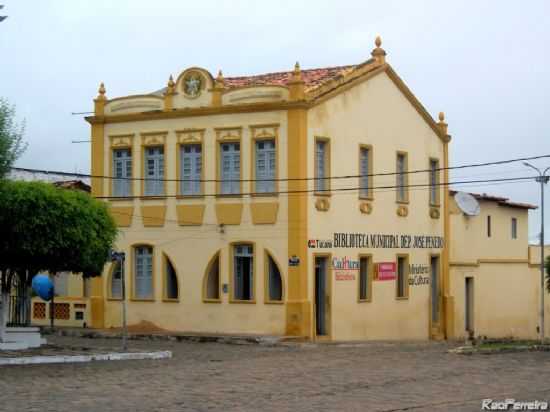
(121, 140)
(153, 138)
(229, 133)
(261, 131)
(190, 135)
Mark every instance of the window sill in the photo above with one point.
(170, 300)
(437, 205)
(364, 300)
(401, 298)
(229, 196)
(115, 299)
(212, 301)
(190, 196)
(367, 197)
(252, 301)
(121, 198)
(326, 193)
(162, 197)
(402, 202)
(274, 302)
(266, 194)
(142, 299)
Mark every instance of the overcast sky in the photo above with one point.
(484, 63)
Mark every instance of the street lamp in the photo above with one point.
(542, 179)
(120, 257)
(2, 18)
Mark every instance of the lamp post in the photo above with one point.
(542, 179)
(120, 257)
(2, 18)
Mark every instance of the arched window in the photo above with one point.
(143, 272)
(171, 280)
(274, 280)
(116, 281)
(212, 280)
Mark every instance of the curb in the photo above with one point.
(37, 360)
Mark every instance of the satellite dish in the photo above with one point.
(467, 203)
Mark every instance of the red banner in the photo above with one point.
(386, 270)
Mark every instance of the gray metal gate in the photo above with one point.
(19, 310)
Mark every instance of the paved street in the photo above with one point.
(213, 376)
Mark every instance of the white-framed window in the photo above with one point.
(143, 269)
(154, 171)
(265, 166)
(401, 178)
(116, 281)
(191, 169)
(434, 182)
(321, 166)
(243, 272)
(122, 171)
(364, 169)
(514, 228)
(230, 167)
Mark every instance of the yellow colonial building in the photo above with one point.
(282, 204)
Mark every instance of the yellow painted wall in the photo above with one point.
(190, 248)
(470, 240)
(374, 113)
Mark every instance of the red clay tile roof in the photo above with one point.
(502, 201)
(311, 77)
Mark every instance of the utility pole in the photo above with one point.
(542, 179)
(120, 257)
(2, 18)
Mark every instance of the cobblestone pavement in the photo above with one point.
(307, 377)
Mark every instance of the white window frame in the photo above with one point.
(230, 168)
(143, 272)
(190, 169)
(265, 165)
(153, 170)
(122, 172)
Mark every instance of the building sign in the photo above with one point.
(294, 261)
(416, 272)
(345, 268)
(377, 241)
(386, 270)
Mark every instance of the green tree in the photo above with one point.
(45, 228)
(11, 137)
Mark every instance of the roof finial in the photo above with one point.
(379, 54)
(441, 124)
(220, 81)
(297, 73)
(101, 92)
(171, 86)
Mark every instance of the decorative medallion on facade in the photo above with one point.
(193, 84)
(434, 213)
(322, 205)
(402, 211)
(365, 207)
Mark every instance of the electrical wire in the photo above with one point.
(493, 163)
